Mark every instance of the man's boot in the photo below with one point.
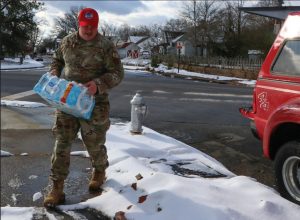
(56, 196)
(98, 178)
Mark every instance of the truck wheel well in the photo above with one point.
(283, 133)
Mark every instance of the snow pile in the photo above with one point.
(14, 63)
(164, 69)
(23, 104)
(5, 154)
(136, 62)
(153, 176)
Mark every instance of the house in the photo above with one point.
(137, 47)
(116, 40)
(146, 44)
(172, 39)
(128, 49)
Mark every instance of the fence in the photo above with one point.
(216, 62)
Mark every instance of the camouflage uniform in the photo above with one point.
(82, 62)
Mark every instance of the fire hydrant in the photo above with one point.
(138, 113)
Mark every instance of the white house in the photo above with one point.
(128, 49)
(171, 40)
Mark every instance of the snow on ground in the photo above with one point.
(5, 154)
(153, 176)
(130, 64)
(163, 68)
(135, 62)
(24, 104)
(14, 63)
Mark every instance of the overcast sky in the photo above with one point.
(117, 12)
(133, 13)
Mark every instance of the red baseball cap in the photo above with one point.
(88, 16)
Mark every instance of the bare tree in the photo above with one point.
(155, 38)
(270, 3)
(124, 32)
(176, 25)
(108, 29)
(234, 24)
(141, 30)
(200, 16)
(68, 23)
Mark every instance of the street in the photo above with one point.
(201, 114)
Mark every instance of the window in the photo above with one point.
(288, 61)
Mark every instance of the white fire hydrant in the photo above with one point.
(138, 113)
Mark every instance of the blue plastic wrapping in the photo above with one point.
(69, 97)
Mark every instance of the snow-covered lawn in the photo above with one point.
(135, 62)
(14, 63)
(153, 176)
(130, 64)
(140, 64)
(163, 68)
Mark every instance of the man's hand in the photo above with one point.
(54, 72)
(92, 87)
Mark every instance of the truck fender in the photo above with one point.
(289, 112)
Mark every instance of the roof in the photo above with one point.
(177, 38)
(279, 13)
(137, 39)
(124, 45)
(171, 35)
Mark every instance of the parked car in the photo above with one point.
(275, 111)
(39, 59)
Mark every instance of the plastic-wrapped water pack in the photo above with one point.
(69, 97)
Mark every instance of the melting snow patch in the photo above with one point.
(37, 196)
(80, 153)
(23, 104)
(31, 177)
(5, 154)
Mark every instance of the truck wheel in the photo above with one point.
(287, 171)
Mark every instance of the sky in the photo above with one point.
(142, 181)
(133, 13)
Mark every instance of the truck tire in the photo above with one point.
(287, 171)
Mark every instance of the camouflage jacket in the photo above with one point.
(83, 61)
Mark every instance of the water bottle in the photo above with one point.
(59, 89)
(69, 97)
(50, 88)
(42, 83)
(85, 103)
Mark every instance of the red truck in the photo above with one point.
(275, 111)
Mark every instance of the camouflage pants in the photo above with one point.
(93, 134)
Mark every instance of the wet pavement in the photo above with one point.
(26, 133)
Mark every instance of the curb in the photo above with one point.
(24, 68)
(174, 75)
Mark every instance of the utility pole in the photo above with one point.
(195, 28)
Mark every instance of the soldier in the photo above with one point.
(87, 58)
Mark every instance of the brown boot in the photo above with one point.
(56, 196)
(98, 178)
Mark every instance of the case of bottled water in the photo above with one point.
(69, 97)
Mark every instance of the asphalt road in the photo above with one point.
(202, 114)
